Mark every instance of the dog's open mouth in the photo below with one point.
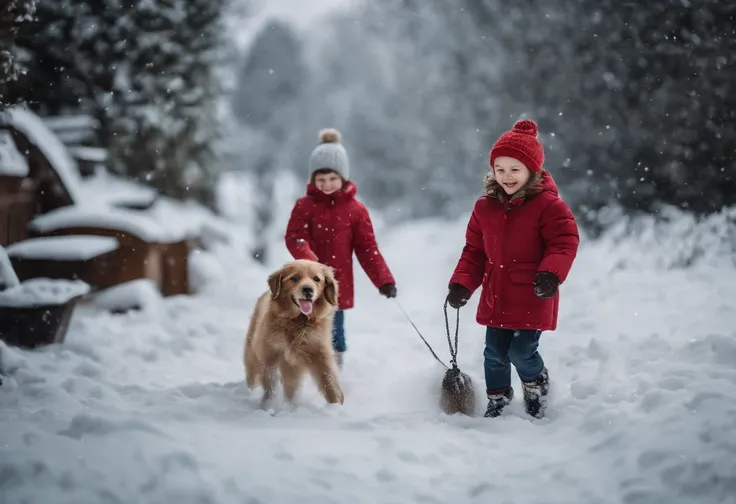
(305, 305)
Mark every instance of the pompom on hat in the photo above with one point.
(521, 143)
(330, 154)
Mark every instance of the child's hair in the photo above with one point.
(493, 188)
(324, 171)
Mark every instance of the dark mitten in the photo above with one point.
(458, 296)
(545, 284)
(388, 290)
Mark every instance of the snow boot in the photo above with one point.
(497, 401)
(535, 393)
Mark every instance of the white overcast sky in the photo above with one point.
(302, 11)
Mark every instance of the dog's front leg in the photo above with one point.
(327, 381)
(269, 384)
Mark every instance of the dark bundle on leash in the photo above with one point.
(457, 394)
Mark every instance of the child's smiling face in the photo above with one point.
(510, 173)
(328, 183)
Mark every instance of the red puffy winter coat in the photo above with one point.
(328, 228)
(507, 243)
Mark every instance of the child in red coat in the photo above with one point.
(329, 224)
(521, 242)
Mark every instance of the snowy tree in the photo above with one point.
(636, 94)
(627, 95)
(147, 70)
(395, 108)
(172, 88)
(269, 85)
(13, 15)
(632, 99)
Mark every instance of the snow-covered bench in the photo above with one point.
(88, 159)
(107, 189)
(35, 312)
(93, 259)
(154, 234)
(147, 250)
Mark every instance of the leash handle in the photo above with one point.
(453, 351)
(419, 333)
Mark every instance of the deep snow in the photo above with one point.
(151, 406)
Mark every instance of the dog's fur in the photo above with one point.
(457, 395)
(281, 337)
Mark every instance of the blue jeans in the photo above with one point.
(338, 332)
(508, 346)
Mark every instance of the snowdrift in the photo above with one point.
(150, 406)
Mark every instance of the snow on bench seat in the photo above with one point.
(105, 217)
(91, 154)
(64, 122)
(63, 248)
(39, 134)
(109, 189)
(183, 218)
(42, 292)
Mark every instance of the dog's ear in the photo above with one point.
(274, 283)
(330, 286)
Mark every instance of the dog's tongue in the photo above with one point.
(305, 305)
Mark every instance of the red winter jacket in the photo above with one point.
(506, 245)
(328, 228)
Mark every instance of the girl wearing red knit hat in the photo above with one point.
(520, 244)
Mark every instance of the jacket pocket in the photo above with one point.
(522, 273)
(518, 293)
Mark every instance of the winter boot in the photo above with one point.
(339, 359)
(535, 392)
(497, 401)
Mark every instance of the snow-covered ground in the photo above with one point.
(151, 407)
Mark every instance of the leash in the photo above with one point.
(453, 352)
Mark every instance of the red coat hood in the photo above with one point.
(548, 184)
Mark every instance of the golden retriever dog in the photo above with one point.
(290, 332)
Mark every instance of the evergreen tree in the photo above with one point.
(14, 14)
(147, 70)
(269, 86)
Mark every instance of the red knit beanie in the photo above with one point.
(521, 143)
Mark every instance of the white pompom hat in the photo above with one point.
(330, 154)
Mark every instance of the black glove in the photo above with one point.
(388, 290)
(545, 284)
(458, 296)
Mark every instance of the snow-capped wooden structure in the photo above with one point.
(89, 159)
(94, 259)
(35, 312)
(77, 132)
(50, 166)
(102, 229)
(145, 248)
